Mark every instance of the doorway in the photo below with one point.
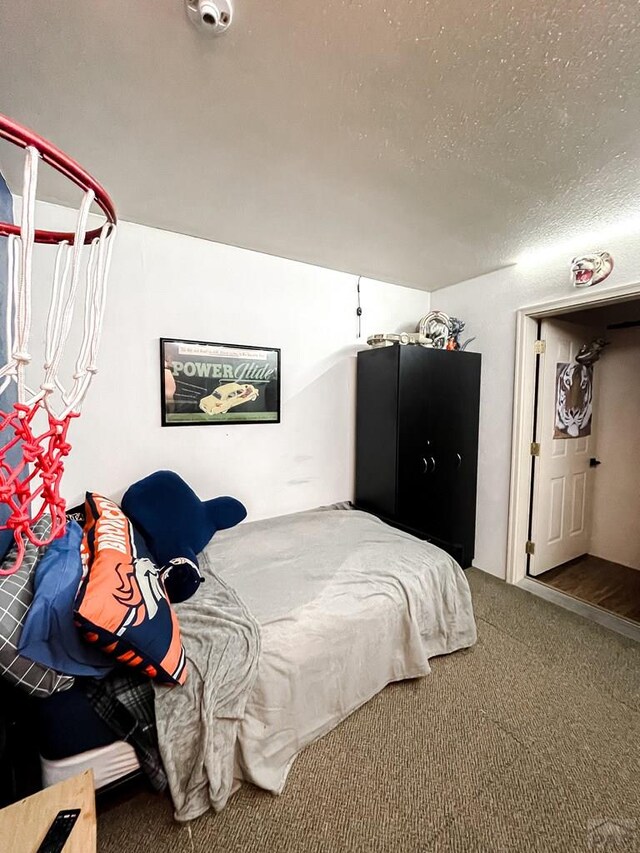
(575, 490)
(585, 507)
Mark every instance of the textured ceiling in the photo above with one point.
(420, 142)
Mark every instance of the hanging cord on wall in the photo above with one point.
(359, 309)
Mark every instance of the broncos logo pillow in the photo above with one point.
(121, 604)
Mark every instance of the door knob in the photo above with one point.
(458, 460)
(429, 465)
(593, 462)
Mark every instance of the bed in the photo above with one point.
(345, 605)
(301, 620)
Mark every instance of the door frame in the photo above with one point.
(523, 409)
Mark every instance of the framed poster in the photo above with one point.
(574, 400)
(208, 383)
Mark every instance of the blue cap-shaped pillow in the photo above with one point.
(176, 526)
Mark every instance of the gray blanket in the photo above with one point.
(198, 723)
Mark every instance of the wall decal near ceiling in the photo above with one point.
(208, 383)
(574, 400)
(591, 269)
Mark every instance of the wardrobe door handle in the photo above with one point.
(458, 461)
(426, 463)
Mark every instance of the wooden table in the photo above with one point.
(24, 824)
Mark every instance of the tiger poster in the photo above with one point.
(574, 400)
(210, 383)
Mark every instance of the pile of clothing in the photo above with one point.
(92, 611)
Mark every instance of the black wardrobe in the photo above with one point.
(417, 442)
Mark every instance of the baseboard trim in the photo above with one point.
(589, 611)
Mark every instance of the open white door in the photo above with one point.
(562, 472)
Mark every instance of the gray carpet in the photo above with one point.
(527, 742)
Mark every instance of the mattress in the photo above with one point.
(346, 605)
(109, 764)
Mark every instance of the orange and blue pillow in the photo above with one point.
(121, 604)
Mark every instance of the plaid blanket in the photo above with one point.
(125, 703)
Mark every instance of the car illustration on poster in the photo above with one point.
(209, 383)
(227, 396)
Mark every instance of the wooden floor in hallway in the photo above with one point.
(599, 582)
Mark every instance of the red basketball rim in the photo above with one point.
(23, 137)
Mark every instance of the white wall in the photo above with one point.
(616, 484)
(488, 304)
(166, 284)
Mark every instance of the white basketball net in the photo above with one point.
(67, 274)
(35, 427)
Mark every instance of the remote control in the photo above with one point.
(59, 831)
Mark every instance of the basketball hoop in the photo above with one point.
(39, 421)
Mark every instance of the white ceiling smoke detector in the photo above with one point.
(212, 17)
